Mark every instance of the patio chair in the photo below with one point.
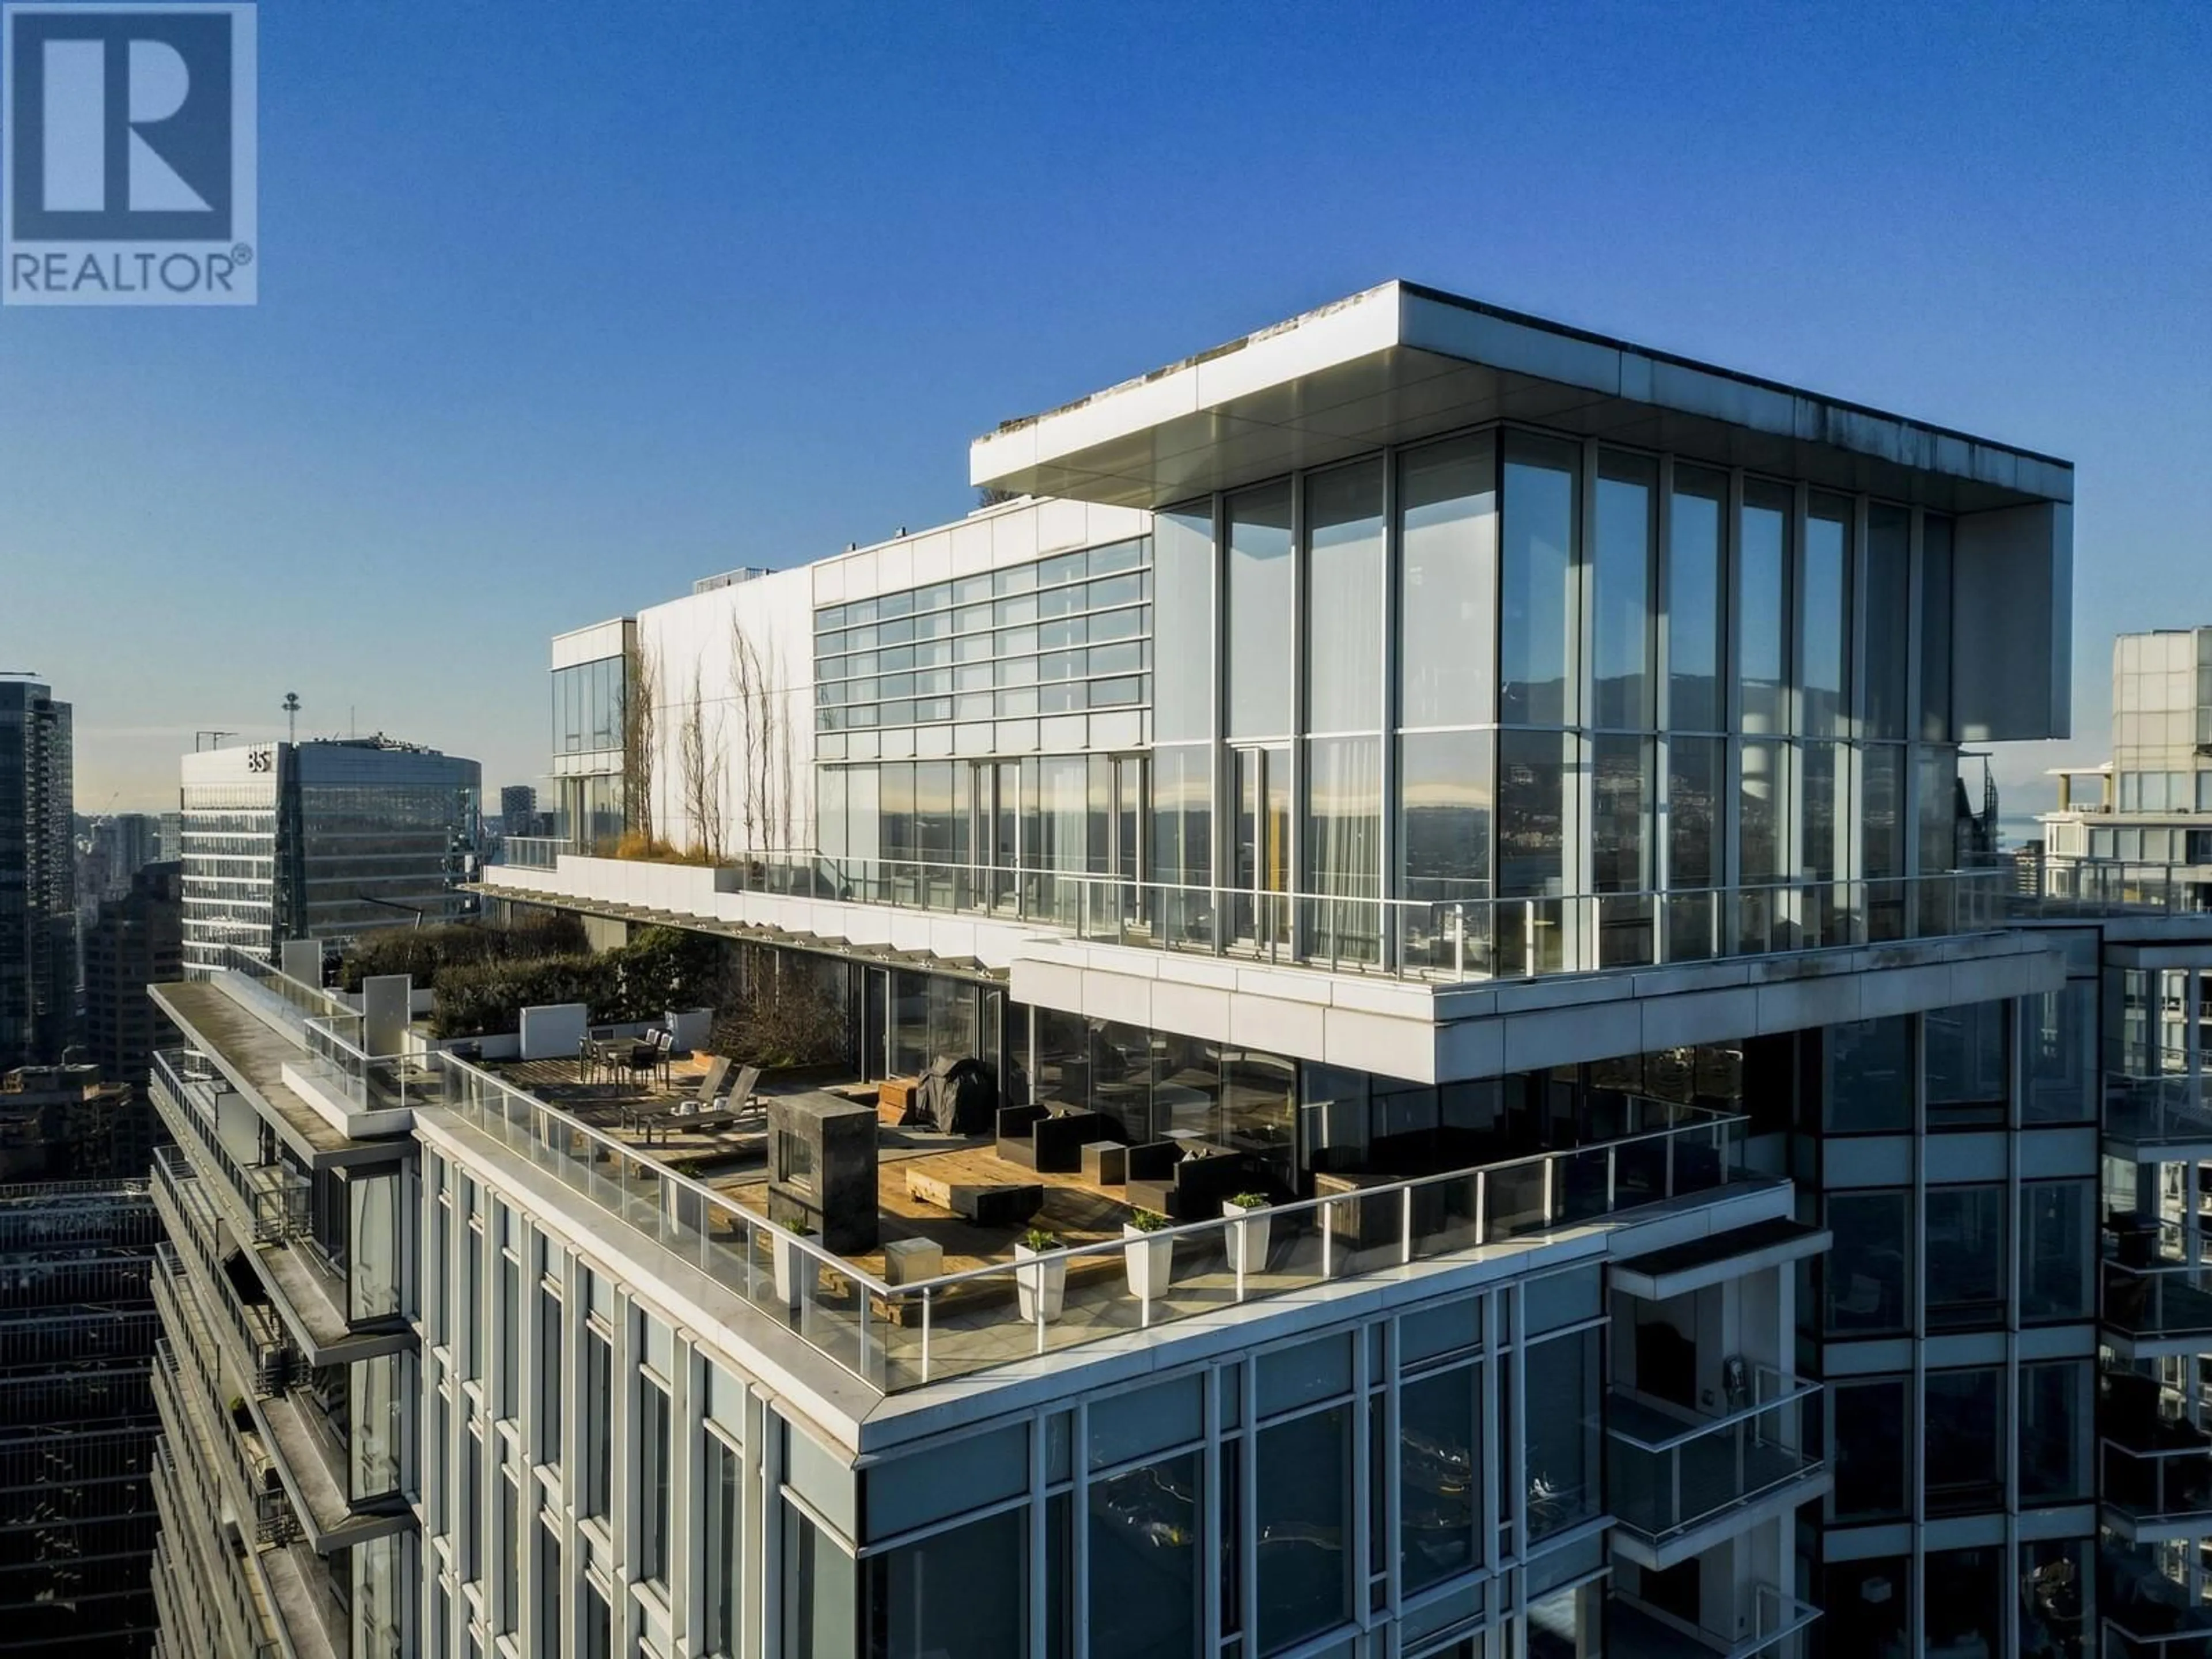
(651, 1055)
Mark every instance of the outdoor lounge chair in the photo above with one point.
(708, 1096)
(731, 1108)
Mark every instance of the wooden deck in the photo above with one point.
(1074, 1212)
(609, 1105)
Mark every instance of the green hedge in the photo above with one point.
(422, 953)
(661, 969)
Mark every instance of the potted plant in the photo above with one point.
(797, 1269)
(1040, 1286)
(1248, 1232)
(1151, 1259)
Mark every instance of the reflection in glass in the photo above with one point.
(1304, 1523)
(1438, 1475)
(1344, 598)
(2056, 1233)
(1825, 607)
(1563, 1380)
(1965, 1063)
(1762, 805)
(1867, 1269)
(820, 1592)
(1621, 846)
(654, 1476)
(1343, 845)
(723, 1561)
(1259, 607)
(1621, 611)
(1620, 832)
(1182, 623)
(1965, 1257)
(1143, 1534)
(1762, 624)
(963, 1591)
(1936, 630)
(1536, 570)
(1448, 568)
(1866, 1607)
(2058, 1599)
(1966, 1444)
(1868, 1077)
(1888, 616)
(1182, 839)
(2057, 1419)
(1444, 795)
(1870, 1424)
(1966, 1613)
(1531, 827)
(1694, 691)
(2059, 1028)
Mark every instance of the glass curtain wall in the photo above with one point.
(1762, 715)
(1540, 656)
(1625, 709)
(1553, 704)
(1696, 716)
(1346, 583)
(1446, 681)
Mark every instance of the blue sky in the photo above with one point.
(565, 304)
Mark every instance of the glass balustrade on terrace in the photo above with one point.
(1669, 1471)
(906, 1335)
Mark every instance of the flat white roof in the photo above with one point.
(1399, 362)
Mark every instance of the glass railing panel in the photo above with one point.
(2170, 1484)
(898, 1337)
(2150, 1296)
(1668, 1471)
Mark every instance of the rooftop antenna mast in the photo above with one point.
(292, 717)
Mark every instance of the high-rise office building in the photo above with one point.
(78, 1418)
(518, 810)
(326, 839)
(1455, 816)
(124, 843)
(136, 941)
(38, 876)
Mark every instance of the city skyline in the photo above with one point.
(522, 438)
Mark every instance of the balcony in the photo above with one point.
(1680, 1481)
(532, 852)
(1464, 934)
(268, 1205)
(2145, 1614)
(2156, 1120)
(1771, 1623)
(2155, 1466)
(2152, 1497)
(911, 1334)
(269, 1202)
(251, 1330)
(209, 1583)
(2153, 1302)
(232, 1599)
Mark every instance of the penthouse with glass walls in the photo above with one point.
(1409, 766)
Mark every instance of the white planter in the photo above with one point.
(1150, 1257)
(1040, 1285)
(1248, 1233)
(797, 1273)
